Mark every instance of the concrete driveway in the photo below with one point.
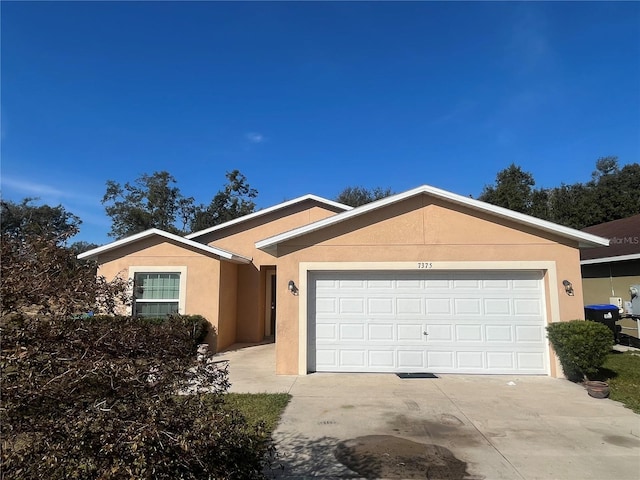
(455, 426)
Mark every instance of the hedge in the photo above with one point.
(96, 398)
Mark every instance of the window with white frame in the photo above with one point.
(156, 294)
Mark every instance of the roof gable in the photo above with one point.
(268, 210)
(583, 239)
(223, 254)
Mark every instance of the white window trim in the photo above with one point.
(182, 270)
(304, 268)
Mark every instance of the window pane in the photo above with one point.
(153, 309)
(165, 286)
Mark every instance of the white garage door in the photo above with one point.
(439, 322)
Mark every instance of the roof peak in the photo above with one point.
(267, 210)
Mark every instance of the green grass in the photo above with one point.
(259, 407)
(622, 372)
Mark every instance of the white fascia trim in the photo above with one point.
(232, 257)
(620, 258)
(269, 210)
(584, 239)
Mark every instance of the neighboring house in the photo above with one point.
(425, 280)
(610, 271)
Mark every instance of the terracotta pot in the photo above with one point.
(597, 389)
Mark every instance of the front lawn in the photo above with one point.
(259, 407)
(622, 372)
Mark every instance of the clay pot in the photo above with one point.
(597, 389)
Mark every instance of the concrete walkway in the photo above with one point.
(497, 427)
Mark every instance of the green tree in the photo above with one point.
(611, 194)
(356, 196)
(24, 218)
(614, 192)
(151, 201)
(233, 201)
(513, 189)
(82, 246)
(568, 205)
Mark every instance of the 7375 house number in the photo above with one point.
(425, 265)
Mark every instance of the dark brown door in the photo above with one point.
(273, 306)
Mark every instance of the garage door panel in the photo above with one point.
(527, 306)
(468, 333)
(326, 305)
(353, 358)
(438, 306)
(380, 306)
(530, 360)
(495, 284)
(470, 360)
(410, 332)
(466, 284)
(382, 332)
(351, 306)
(477, 322)
(439, 333)
(500, 361)
(529, 334)
(352, 284)
(410, 306)
(380, 284)
(326, 358)
(322, 284)
(467, 306)
(499, 333)
(382, 359)
(498, 306)
(525, 284)
(327, 332)
(405, 284)
(352, 332)
(411, 359)
(440, 360)
(437, 284)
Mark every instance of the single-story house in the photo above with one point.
(425, 280)
(609, 272)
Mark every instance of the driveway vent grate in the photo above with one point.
(416, 375)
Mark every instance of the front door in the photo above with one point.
(273, 306)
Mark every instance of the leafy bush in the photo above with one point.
(97, 398)
(582, 346)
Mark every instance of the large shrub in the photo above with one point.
(97, 398)
(38, 273)
(582, 346)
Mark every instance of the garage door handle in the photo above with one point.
(425, 333)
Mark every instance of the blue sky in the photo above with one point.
(311, 97)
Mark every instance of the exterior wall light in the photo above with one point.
(292, 287)
(568, 287)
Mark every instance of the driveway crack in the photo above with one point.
(471, 422)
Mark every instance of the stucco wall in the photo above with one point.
(203, 271)
(241, 238)
(227, 314)
(422, 230)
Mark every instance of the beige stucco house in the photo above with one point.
(425, 280)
